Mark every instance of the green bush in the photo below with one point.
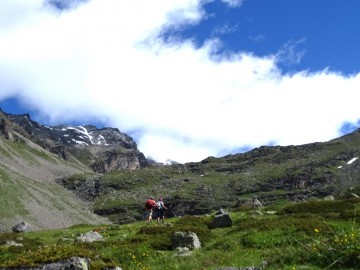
(318, 207)
(302, 223)
(337, 250)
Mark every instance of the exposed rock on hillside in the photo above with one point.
(103, 150)
(269, 174)
(5, 129)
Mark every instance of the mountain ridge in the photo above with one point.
(103, 149)
(104, 171)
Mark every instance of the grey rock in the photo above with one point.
(182, 252)
(13, 244)
(74, 263)
(257, 203)
(90, 237)
(240, 268)
(222, 219)
(185, 240)
(21, 227)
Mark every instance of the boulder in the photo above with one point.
(11, 243)
(21, 227)
(75, 263)
(240, 268)
(257, 203)
(90, 237)
(182, 252)
(222, 219)
(185, 240)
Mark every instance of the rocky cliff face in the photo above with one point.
(103, 150)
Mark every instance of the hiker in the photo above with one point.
(160, 210)
(149, 206)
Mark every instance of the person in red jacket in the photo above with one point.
(149, 206)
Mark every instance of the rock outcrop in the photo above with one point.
(185, 240)
(90, 237)
(5, 129)
(222, 219)
(21, 227)
(102, 149)
(75, 263)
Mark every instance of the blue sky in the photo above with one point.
(323, 32)
(187, 79)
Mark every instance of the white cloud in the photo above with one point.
(291, 53)
(106, 59)
(225, 29)
(258, 38)
(233, 3)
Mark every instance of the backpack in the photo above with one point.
(149, 204)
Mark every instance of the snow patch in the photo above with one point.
(84, 131)
(80, 142)
(352, 160)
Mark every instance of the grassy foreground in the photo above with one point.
(313, 235)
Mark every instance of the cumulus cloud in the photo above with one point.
(108, 61)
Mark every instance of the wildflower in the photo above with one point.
(316, 230)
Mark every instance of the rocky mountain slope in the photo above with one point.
(102, 149)
(271, 174)
(29, 193)
(32, 156)
(103, 169)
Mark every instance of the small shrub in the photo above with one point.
(263, 240)
(194, 221)
(339, 249)
(318, 207)
(302, 223)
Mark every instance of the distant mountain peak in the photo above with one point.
(103, 149)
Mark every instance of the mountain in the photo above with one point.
(103, 149)
(55, 176)
(272, 174)
(33, 156)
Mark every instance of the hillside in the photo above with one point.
(312, 235)
(103, 169)
(28, 191)
(272, 174)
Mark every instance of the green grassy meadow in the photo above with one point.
(312, 235)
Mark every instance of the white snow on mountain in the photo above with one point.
(352, 160)
(349, 162)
